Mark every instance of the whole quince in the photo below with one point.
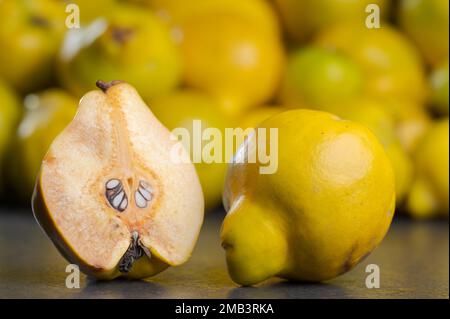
(131, 44)
(429, 195)
(31, 32)
(325, 208)
(391, 64)
(426, 22)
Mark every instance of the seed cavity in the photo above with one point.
(135, 251)
(115, 195)
(143, 195)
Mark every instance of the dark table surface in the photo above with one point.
(413, 261)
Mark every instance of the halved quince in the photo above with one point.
(111, 194)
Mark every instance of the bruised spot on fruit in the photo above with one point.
(104, 86)
(135, 251)
(115, 194)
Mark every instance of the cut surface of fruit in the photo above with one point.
(109, 193)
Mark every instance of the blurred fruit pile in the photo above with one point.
(234, 63)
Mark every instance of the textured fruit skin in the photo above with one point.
(30, 35)
(316, 78)
(373, 115)
(426, 22)
(303, 18)
(329, 204)
(136, 47)
(179, 109)
(247, 64)
(395, 70)
(50, 111)
(429, 194)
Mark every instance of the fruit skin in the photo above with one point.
(429, 194)
(10, 112)
(317, 78)
(390, 63)
(303, 18)
(300, 222)
(46, 115)
(135, 47)
(179, 109)
(439, 86)
(232, 58)
(31, 32)
(372, 114)
(426, 22)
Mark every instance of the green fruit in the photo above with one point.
(317, 78)
(429, 194)
(439, 87)
(426, 22)
(180, 109)
(303, 18)
(46, 114)
(30, 35)
(133, 45)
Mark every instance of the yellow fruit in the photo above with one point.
(46, 114)
(328, 205)
(258, 12)
(30, 35)
(391, 65)
(317, 78)
(111, 196)
(135, 46)
(439, 86)
(180, 109)
(231, 58)
(9, 116)
(303, 18)
(411, 121)
(426, 22)
(372, 114)
(429, 194)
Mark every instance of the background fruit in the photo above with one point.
(9, 116)
(303, 18)
(247, 62)
(135, 47)
(298, 222)
(46, 114)
(30, 34)
(426, 22)
(317, 78)
(439, 87)
(430, 191)
(180, 109)
(391, 65)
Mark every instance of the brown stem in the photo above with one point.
(104, 86)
